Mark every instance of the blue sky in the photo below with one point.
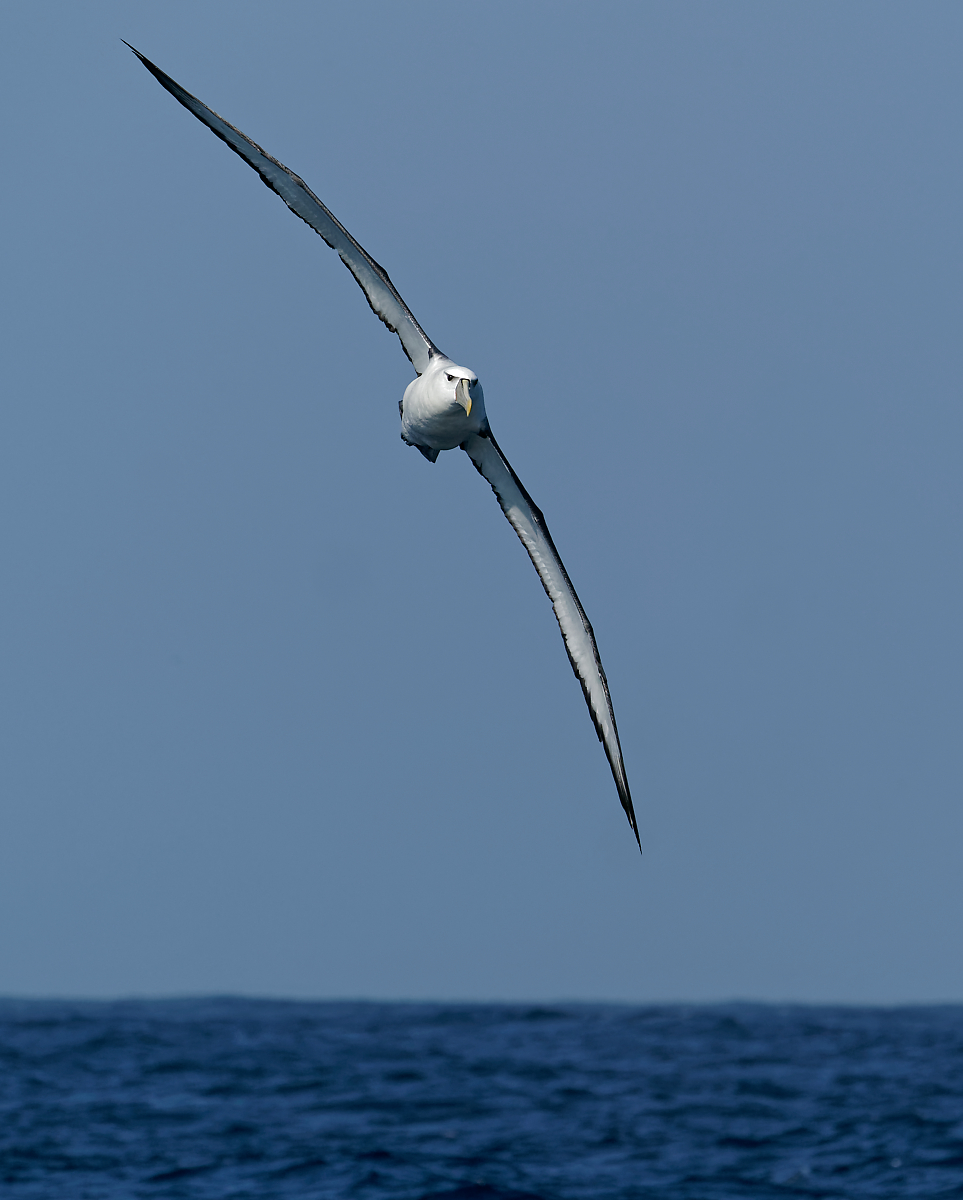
(284, 709)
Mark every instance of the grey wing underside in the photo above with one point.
(527, 521)
(381, 293)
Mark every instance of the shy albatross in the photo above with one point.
(443, 408)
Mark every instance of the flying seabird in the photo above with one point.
(442, 408)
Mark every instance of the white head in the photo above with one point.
(452, 386)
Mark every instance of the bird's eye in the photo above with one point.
(450, 378)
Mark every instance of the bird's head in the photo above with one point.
(457, 387)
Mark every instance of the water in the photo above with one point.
(245, 1098)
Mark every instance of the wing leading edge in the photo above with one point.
(381, 293)
(527, 521)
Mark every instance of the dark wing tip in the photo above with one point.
(629, 808)
(135, 50)
(161, 76)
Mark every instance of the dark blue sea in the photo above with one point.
(247, 1098)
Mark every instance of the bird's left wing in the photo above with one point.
(381, 293)
(527, 521)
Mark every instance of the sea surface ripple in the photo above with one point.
(254, 1098)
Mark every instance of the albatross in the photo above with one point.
(443, 408)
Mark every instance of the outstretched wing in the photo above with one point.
(583, 653)
(381, 292)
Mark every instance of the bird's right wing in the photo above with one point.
(381, 293)
(527, 521)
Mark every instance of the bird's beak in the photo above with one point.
(462, 396)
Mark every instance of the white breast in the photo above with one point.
(430, 414)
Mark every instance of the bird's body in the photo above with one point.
(443, 408)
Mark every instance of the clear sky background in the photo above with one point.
(283, 708)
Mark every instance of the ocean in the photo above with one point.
(230, 1097)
